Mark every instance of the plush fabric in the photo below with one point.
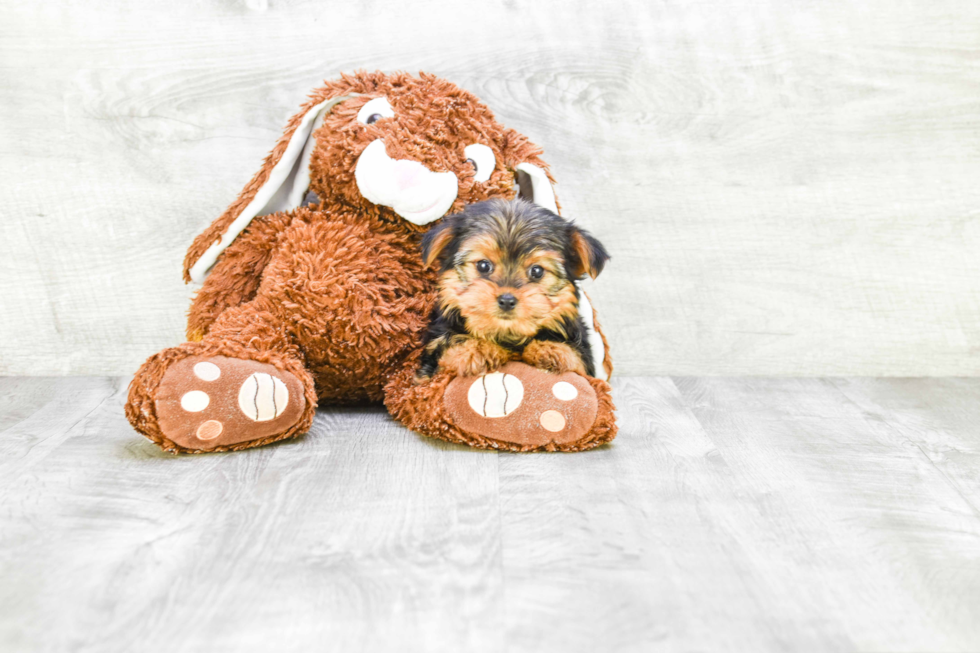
(326, 303)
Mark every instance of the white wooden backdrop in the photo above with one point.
(787, 187)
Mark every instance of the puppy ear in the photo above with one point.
(590, 255)
(280, 185)
(435, 242)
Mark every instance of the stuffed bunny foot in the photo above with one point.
(516, 408)
(196, 401)
(523, 406)
(204, 402)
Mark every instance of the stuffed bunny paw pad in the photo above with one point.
(207, 402)
(523, 405)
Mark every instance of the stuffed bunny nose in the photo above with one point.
(408, 173)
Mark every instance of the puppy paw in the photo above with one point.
(554, 357)
(473, 357)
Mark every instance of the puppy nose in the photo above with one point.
(507, 302)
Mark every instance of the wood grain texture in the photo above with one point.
(785, 187)
(729, 514)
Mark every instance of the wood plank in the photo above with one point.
(786, 188)
(940, 417)
(43, 414)
(21, 397)
(846, 527)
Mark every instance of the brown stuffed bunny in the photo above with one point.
(314, 287)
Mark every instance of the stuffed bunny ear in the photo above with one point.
(535, 186)
(283, 189)
(592, 336)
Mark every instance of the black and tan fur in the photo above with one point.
(507, 291)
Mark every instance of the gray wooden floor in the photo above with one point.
(730, 514)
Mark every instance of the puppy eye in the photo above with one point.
(536, 272)
(482, 159)
(374, 111)
(484, 266)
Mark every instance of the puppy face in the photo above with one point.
(508, 268)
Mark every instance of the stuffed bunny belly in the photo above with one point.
(355, 300)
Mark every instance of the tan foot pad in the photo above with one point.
(523, 405)
(215, 401)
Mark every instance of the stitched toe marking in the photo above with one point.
(564, 390)
(207, 371)
(552, 420)
(210, 429)
(195, 401)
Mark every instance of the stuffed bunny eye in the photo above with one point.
(374, 111)
(482, 159)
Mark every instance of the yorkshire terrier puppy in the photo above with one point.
(507, 290)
